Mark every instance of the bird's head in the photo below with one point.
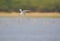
(20, 9)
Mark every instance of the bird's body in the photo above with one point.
(21, 11)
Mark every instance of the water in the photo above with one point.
(29, 29)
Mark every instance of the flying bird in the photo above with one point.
(23, 12)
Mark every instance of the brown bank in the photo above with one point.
(31, 14)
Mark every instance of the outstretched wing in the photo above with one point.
(25, 11)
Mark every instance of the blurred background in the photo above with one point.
(33, 26)
(34, 5)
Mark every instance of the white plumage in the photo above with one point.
(22, 12)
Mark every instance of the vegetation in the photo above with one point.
(34, 5)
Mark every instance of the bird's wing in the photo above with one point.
(26, 10)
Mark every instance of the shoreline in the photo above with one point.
(31, 14)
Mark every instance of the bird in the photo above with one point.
(23, 12)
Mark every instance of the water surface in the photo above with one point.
(29, 29)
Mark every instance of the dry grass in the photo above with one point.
(43, 14)
(12, 14)
(31, 14)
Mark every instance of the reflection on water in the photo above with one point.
(29, 29)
